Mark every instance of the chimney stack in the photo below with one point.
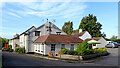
(80, 30)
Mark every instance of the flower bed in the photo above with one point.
(84, 57)
(83, 51)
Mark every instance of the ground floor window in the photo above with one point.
(52, 47)
(72, 47)
(94, 44)
(62, 46)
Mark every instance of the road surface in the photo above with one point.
(14, 59)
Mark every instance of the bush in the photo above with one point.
(104, 50)
(20, 50)
(70, 52)
(75, 52)
(96, 51)
(10, 46)
(81, 52)
(16, 50)
(23, 49)
(63, 51)
(100, 50)
(11, 50)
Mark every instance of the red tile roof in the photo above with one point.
(79, 34)
(96, 38)
(53, 38)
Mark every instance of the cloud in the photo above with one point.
(13, 14)
(53, 9)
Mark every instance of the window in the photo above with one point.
(37, 33)
(72, 47)
(94, 44)
(62, 46)
(36, 47)
(52, 47)
(58, 33)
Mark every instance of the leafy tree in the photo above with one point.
(68, 27)
(103, 35)
(113, 38)
(75, 31)
(90, 24)
(4, 40)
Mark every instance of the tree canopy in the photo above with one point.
(90, 24)
(68, 27)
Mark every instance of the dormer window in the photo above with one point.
(37, 33)
(58, 33)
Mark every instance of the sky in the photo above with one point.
(19, 16)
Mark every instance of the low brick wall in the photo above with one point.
(73, 57)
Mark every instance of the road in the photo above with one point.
(14, 59)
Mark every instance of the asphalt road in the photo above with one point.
(13, 59)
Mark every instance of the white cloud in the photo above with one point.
(49, 9)
(61, 9)
(13, 14)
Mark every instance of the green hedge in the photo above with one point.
(20, 50)
(11, 50)
(63, 51)
(83, 51)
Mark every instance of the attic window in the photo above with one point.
(58, 33)
(37, 33)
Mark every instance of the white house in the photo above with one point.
(102, 41)
(54, 43)
(82, 34)
(14, 42)
(27, 38)
(44, 39)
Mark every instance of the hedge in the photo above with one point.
(83, 51)
(20, 50)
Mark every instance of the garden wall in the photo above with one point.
(85, 57)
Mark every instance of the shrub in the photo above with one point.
(63, 51)
(23, 49)
(16, 50)
(11, 50)
(70, 52)
(104, 50)
(20, 50)
(96, 51)
(10, 46)
(75, 52)
(100, 50)
(81, 52)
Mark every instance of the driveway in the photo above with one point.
(14, 59)
(110, 60)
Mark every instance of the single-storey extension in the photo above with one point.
(54, 43)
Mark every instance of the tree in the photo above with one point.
(114, 38)
(75, 31)
(68, 27)
(4, 40)
(90, 24)
(103, 35)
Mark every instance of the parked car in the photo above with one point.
(118, 44)
(113, 45)
(4, 48)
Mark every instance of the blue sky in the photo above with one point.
(19, 16)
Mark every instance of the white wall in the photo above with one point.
(22, 40)
(85, 36)
(103, 43)
(47, 48)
